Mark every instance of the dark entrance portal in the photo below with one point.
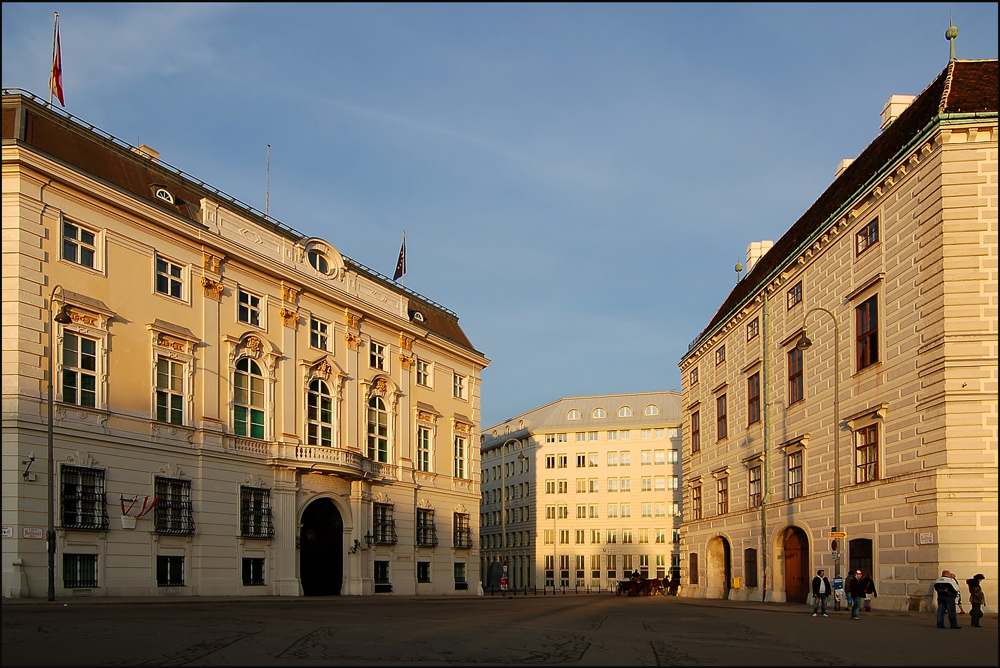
(321, 549)
(797, 580)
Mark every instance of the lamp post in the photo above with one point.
(503, 498)
(803, 344)
(50, 537)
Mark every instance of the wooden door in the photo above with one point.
(796, 567)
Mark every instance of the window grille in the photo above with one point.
(79, 570)
(426, 533)
(255, 513)
(253, 571)
(169, 571)
(83, 502)
(463, 534)
(172, 513)
(384, 529)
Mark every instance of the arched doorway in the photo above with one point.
(796, 550)
(321, 549)
(720, 567)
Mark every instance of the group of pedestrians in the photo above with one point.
(860, 587)
(949, 596)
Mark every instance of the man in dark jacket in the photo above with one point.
(947, 593)
(976, 598)
(861, 586)
(821, 589)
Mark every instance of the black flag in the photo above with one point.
(401, 262)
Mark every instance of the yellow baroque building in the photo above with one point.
(235, 408)
(581, 492)
(846, 389)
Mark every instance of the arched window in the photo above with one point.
(248, 399)
(652, 410)
(599, 413)
(573, 415)
(378, 430)
(624, 411)
(320, 414)
(319, 262)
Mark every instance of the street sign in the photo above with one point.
(833, 555)
(838, 534)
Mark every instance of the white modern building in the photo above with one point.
(583, 491)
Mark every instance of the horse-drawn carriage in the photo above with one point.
(641, 587)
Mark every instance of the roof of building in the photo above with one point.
(963, 87)
(83, 147)
(553, 416)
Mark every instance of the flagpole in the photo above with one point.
(55, 29)
(267, 188)
(403, 282)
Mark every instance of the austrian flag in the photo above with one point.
(55, 79)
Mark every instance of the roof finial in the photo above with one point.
(950, 34)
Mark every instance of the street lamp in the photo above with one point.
(503, 497)
(803, 344)
(50, 538)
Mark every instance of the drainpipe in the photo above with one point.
(766, 473)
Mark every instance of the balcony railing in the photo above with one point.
(385, 533)
(463, 538)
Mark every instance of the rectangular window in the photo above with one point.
(581, 460)
(79, 245)
(866, 453)
(383, 585)
(591, 435)
(626, 484)
(255, 513)
(82, 498)
(753, 329)
(626, 509)
(674, 482)
(750, 566)
(79, 372)
(612, 484)
(562, 462)
(461, 584)
(626, 458)
(169, 571)
(592, 459)
(626, 536)
(319, 334)
(458, 387)
(625, 435)
(173, 512)
(168, 278)
(463, 533)
(376, 356)
(720, 355)
(383, 524)
(423, 572)
(581, 436)
(794, 474)
(549, 536)
(659, 457)
(426, 531)
(460, 457)
(581, 511)
(423, 449)
(612, 510)
(659, 483)
(696, 503)
(647, 483)
(721, 417)
(661, 536)
(612, 536)
(868, 332)
(867, 236)
(423, 373)
(550, 461)
(672, 457)
(593, 512)
(612, 459)
(643, 535)
(563, 512)
(169, 391)
(693, 568)
(694, 376)
(646, 458)
(593, 485)
(660, 510)
(695, 432)
(795, 390)
(581, 536)
(755, 486)
(248, 307)
(753, 398)
(253, 571)
(564, 536)
(550, 486)
(581, 485)
(795, 294)
(79, 570)
(723, 495)
(647, 510)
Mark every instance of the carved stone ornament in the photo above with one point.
(352, 320)
(213, 289)
(353, 340)
(289, 294)
(253, 345)
(324, 369)
(424, 504)
(405, 361)
(405, 342)
(379, 388)
(462, 428)
(84, 319)
(381, 497)
(289, 317)
(167, 342)
(462, 509)
(211, 262)
(426, 416)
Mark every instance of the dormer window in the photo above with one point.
(164, 194)
(319, 262)
(418, 316)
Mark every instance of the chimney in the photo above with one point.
(755, 251)
(844, 164)
(894, 106)
(147, 152)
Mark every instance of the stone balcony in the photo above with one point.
(316, 458)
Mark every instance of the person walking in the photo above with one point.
(821, 589)
(977, 599)
(947, 593)
(861, 586)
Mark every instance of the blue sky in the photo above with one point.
(575, 181)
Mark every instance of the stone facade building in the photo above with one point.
(859, 352)
(303, 424)
(586, 490)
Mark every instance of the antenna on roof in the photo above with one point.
(267, 187)
(950, 34)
